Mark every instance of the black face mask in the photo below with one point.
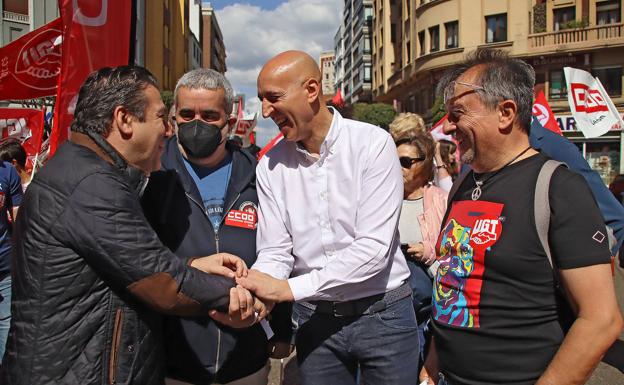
(198, 138)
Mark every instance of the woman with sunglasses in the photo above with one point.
(419, 224)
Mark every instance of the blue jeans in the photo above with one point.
(383, 346)
(421, 285)
(5, 311)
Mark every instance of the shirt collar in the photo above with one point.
(328, 145)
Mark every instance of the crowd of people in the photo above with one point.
(153, 250)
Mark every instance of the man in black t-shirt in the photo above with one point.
(495, 315)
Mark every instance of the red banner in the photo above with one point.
(270, 145)
(543, 113)
(29, 66)
(26, 125)
(96, 34)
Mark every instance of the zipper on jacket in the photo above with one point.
(114, 353)
(217, 247)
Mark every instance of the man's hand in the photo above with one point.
(242, 311)
(224, 264)
(280, 349)
(417, 252)
(266, 287)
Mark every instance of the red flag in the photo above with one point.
(26, 125)
(240, 127)
(337, 99)
(96, 34)
(270, 145)
(437, 130)
(543, 113)
(30, 65)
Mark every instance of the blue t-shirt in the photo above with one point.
(212, 184)
(10, 196)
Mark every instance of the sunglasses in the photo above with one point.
(407, 162)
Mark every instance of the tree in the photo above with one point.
(437, 110)
(379, 114)
(167, 97)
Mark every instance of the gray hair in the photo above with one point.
(502, 78)
(208, 79)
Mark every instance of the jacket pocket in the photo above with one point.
(114, 352)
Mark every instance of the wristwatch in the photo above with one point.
(441, 166)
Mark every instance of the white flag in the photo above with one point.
(593, 110)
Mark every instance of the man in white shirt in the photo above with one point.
(330, 196)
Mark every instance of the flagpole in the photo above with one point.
(38, 145)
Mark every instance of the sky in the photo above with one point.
(254, 31)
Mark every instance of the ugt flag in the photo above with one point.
(26, 125)
(96, 34)
(30, 65)
(590, 104)
(543, 113)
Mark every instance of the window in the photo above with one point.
(558, 88)
(408, 50)
(421, 42)
(562, 17)
(452, 34)
(15, 33)
(608, 12)
(496, 28)
(434, 38)
(611, 79)
(367, 73)
(368, 13)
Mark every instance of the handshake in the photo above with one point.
(254, 295)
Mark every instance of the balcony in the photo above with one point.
(609, 34)
(16, 17)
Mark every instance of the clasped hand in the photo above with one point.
(244, 310)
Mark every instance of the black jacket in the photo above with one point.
(87, 267)
(198, 349)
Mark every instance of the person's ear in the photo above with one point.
(313, 88)
(507, 112)
(123, 120)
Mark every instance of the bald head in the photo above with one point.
(292, 65)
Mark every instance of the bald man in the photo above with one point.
(330, 196)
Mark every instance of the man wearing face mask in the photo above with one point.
(204, 199)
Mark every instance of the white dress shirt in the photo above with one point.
(330, 222)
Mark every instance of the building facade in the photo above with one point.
(326, 64)
(428, 36)
(22, 16)
(212, 43)
(166, 46)
(195, 54)
(338, 61)
(354, 57)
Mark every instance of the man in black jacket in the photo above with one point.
(88, 270)
(204, 201)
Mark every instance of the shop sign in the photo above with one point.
(565, 60)
(567, 123)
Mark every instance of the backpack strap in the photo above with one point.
(541, 204)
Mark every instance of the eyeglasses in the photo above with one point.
(449, 92)
(407, 162)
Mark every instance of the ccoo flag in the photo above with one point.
(96, 34)
(590, 104)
